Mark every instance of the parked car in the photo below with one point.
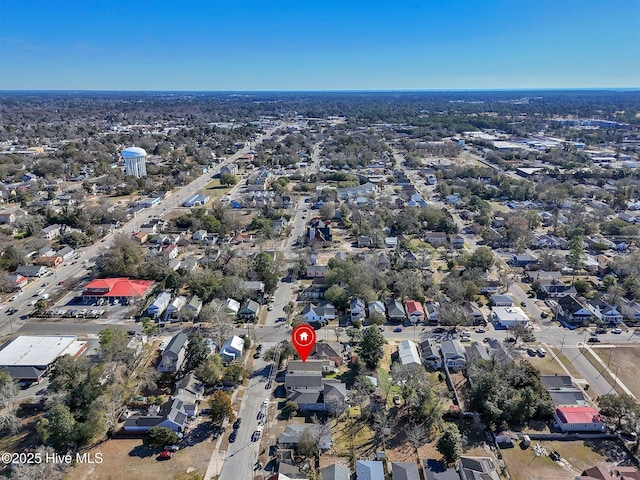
(165, 455)
(172, 448)
(523, 304)
(232, 437)
(397, 330)
(617, 331)
(236, 424)
(601, 330)
(480, 330)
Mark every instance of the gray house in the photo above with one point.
(369, 470)
(453, 355)
(404, 471)
(249, 310)
(335, 472)
(395, 311)
(173, 355)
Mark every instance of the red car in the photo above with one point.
(165, 455)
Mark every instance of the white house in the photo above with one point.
(316, 314)
(433, 312)
(579, 419)
(232, 349)
(199, 235)
(51, 232)
(415, 312)
(231, 306)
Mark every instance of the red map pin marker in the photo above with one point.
(303, 338)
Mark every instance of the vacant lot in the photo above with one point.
(215, 190)
(576, 456)
(129, 458)
(624, 361)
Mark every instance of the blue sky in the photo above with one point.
(318, 45)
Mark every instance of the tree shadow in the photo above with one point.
(143, 451)
(612, 451)
(197, 434)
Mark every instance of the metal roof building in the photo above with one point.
(30, 357)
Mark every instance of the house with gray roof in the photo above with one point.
(173, 356)
(249, 310)
(369, 470)
(430, 353)
(405, 471)
(477, 351)
(194, 306)
(31, 271)
(500, 300)
(395, 311)
(290, 437)
(335, 472)
(356, 306)
(477, 468)
(377, 308)
(453, 355)
(436, 470)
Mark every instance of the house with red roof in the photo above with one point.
(415, 312)
(120, 288)
(579, 419)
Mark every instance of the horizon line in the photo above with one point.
(399, 90)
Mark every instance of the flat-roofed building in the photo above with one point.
(30, 357)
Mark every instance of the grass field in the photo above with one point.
(215, 190)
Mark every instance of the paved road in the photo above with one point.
(590, 374)
(242, 455)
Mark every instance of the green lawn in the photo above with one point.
(215, 190)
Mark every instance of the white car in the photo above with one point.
(616, 331)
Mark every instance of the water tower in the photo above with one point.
(134, 161)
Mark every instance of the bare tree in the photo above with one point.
(417, 435)
(40, 471)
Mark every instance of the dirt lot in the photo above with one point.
(577, 455)
(130, 459)
(624, 361)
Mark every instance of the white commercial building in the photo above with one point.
(509, 317)
(135, 161)
(30, 357)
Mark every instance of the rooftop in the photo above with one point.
(27, 350)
